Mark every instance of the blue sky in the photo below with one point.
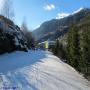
(37, 11)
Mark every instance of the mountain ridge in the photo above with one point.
(57, 27)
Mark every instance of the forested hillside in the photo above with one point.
(76, 50)
(59, 27)
(78, 46)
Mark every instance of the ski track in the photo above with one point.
(38, 70)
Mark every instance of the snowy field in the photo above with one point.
(38, 70)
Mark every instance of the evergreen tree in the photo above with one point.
(56, 48)
(73, 47)
(85, 52)
(59, 50)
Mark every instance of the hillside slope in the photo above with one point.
(11, 37)
(38, 70)
(59, 27)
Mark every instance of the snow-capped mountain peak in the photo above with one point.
(78, 10)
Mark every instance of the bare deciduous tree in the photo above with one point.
(7, 9)
(28, 35)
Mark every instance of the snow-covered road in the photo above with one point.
(38, 70)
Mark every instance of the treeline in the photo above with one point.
(59, 50)
(77, 50)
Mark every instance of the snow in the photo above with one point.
(16, 41)
(38, 70)
(11, 32)
(78, 10)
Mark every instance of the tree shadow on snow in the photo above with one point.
(11, 62)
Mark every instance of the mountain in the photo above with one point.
(11, 37)
(56, 28)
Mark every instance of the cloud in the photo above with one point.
(78, 10)
(62, 15)
(49, 7)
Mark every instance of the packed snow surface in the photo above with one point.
(38, 70)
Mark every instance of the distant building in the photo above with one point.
(46, 45)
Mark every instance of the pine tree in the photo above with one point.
(73, 47)
(56, 48)
(85, 52)
(59, 50)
